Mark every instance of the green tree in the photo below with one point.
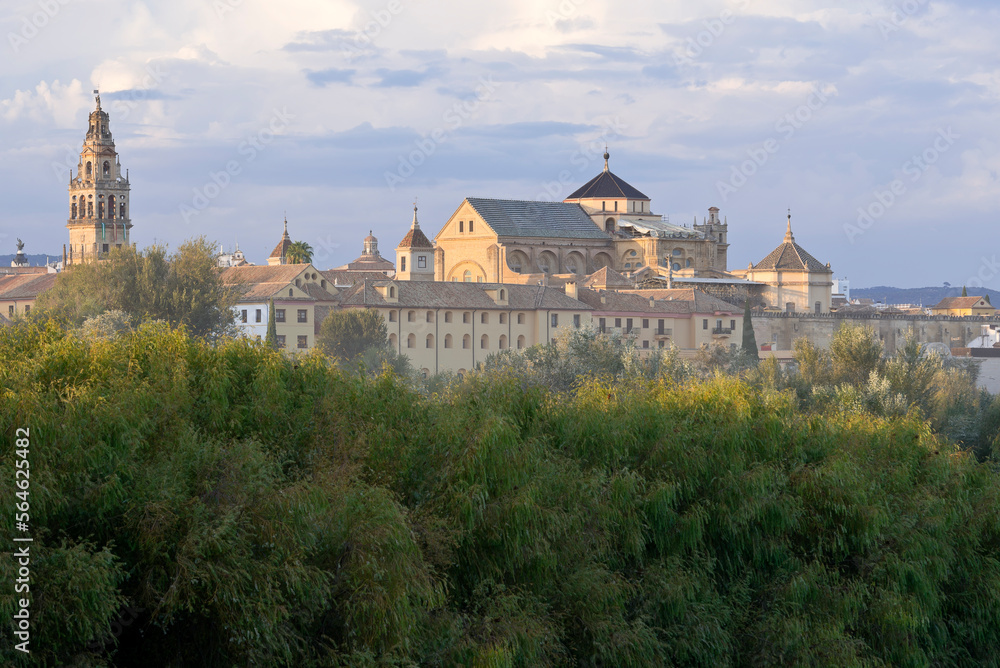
(856, 352)
(299, 252)
(965, 293)
(749, 337)
(272, 332)
(813, 362)
(183, 288)
(911, 372)
(346, 334)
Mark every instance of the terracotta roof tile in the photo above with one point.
(434, 294)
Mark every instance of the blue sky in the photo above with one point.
(874, 121)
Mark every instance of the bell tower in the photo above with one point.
(98, 196)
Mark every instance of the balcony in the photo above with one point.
(721, 331)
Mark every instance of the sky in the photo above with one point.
(873, 121)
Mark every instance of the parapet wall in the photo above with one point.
(782, 329)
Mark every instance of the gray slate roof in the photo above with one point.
(790, 256)
(607, 185)
(455, 295)
(523, 218)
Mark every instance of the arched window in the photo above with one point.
(289, 292)
(411, 341)
(392, 291)
(503, 294)
(107, 168)
(687, 263)
(411, 316)
(677, 266)
(90, 209)
(467, 276)
(447, 341)
(609, 225)
(503, 342)
(73, 211)
(90, 169)
(112, 209)
(484, 342)
(430, 340)
(466, 341)
(121, 210)
(520, 342)
(392, 340)
(100, 210)
(484, 318)
(678, 252)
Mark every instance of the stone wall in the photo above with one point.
(782, 329)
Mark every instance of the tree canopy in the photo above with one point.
(180, 288)
(298, 252)
(347, 334)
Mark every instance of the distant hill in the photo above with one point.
(33, 260)
(926, 296)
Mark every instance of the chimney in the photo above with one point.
(571, 290)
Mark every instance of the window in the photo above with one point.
(430, 316)
(447, 316)
(447, 340)
(503, 294)
(289, 292)
(10, 311)
(467, 276)
(281, 340)
(520, 342)
(411, 341)
(303, 341)
(576, 321)
(659, 326)
(302, 315)
(503, 318)
(279, 315)
(484, 318)
(520, 318)
(618, 323)
(645, 323)
(298, 282)
(663, 344)
(466, 317)
(628, 325)
(470, 225)
(602, 325)
(104, 247)
(645, 344)
(484, 342)
(466, 341)
(392, 290)
(503, 342)
(243, 315)
(732, 325)
(392, 340)
(392, 316)
(27, 309)
(704, 324)
(402, 263)
(257, 316)
(411, 316)
(430, 341)
(555, 319)
(421, 261)
(461, 226)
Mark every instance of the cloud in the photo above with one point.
(333, 75)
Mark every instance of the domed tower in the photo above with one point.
(415, 254)
(98, 195)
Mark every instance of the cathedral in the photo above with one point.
(98, 196)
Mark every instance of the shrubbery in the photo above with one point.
(258, 511)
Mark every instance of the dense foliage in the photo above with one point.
(180, 288)
(197, 505)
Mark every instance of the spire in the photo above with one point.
(286, 225)
(607, 156)
(789, 239)
(415, 225)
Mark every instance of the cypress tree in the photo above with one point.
(272, 332)
(749, 338)
(965, 293)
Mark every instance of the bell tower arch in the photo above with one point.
(99, 218)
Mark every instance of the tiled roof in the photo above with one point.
(522, 218)
(607, 185)
(607, 278)
(319, 294)
(703, 302)
(790, 256)
(434, 294)
(25, 286)
(962, 302)
(415, 238)
(345, 277)
(279, 273)
(623, 302)
(282, 248)
(371, 263)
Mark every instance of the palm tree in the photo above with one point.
(298, 252)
